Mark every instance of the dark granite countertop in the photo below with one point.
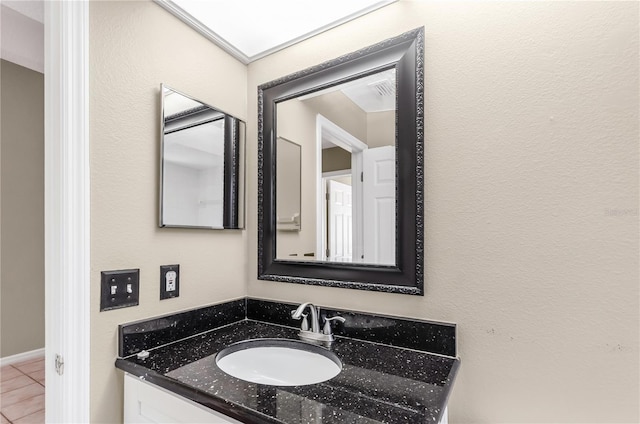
(378, 384)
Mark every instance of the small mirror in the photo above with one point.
(289, 180)
(202, 165)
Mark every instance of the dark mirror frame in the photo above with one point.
(405, 53)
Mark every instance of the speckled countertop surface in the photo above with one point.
(378, 383)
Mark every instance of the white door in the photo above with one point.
(379, 205)
(339, 228)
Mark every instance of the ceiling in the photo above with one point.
(252, 29)
(22, 33)
(248, 29)
(174, 102)
(33, 9)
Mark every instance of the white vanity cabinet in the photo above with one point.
(147, 403)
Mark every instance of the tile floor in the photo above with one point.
(22, 392)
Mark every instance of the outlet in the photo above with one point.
(169, 281)
(119, 289)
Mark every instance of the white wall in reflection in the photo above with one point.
(194, 176)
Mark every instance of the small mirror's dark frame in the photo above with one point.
(404, 53)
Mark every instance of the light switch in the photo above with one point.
(119, 289)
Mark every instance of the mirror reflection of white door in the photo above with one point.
(379, 205)
(340, 227)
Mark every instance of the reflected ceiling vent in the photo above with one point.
(375, 93)
(383, 88)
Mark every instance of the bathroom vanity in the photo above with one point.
(394, 370)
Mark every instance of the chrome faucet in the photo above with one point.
(315, 334)
(315, 322)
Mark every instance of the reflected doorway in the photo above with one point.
(357, 200)
(339, 216)
(339, 231)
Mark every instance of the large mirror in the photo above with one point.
(201, 165)
(358, 124)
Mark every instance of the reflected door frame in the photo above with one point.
(343, 139)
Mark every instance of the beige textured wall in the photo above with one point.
(342, 111)
(296, 123)
(335, 159)
(22, 218)
(532, 200)
(135, 46)
(381, 129)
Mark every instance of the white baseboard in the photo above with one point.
(19, 357)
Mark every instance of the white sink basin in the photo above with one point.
(279, 362)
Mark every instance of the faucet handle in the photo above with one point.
(304, 326)
(327, 324)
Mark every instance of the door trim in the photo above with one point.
(67, 211)
(343, 139)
